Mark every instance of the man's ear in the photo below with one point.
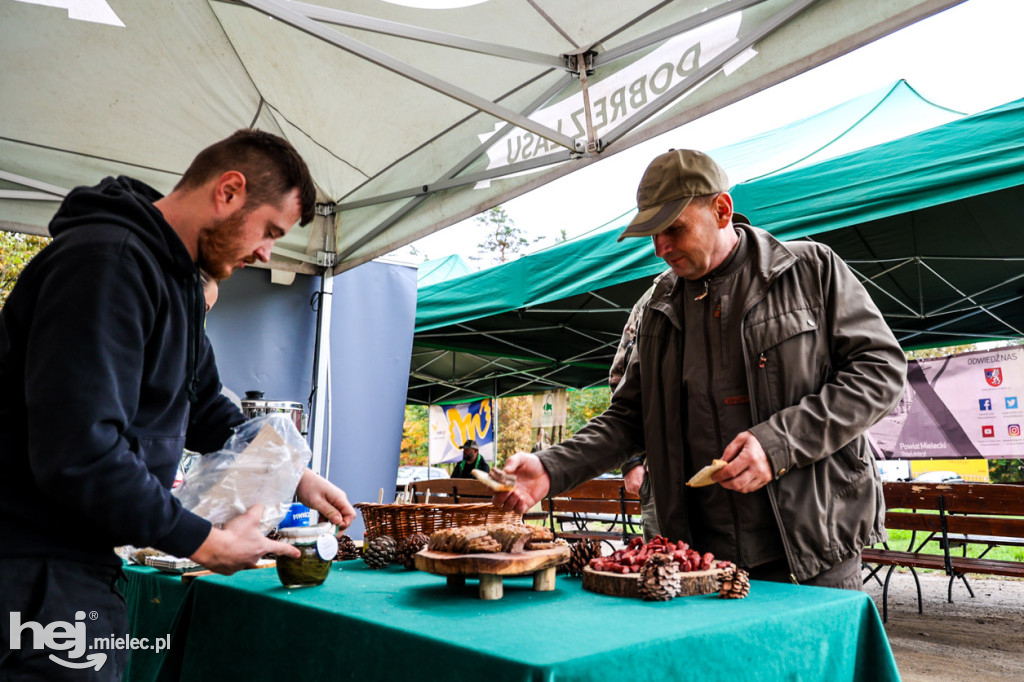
(722, 208)
(229, 192)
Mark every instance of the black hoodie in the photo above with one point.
(105, 374)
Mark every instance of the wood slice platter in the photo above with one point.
(490, 567)
(628, 584)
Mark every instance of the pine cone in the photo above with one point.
(409, 546)
(659, 578)
(733, 583)
(380, 552)
(347, 549)
(580, 554)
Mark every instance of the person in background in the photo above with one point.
(634, 471)
(211, 294)
(211, 289)
(471, 459)
(769, 356)
(106, 374)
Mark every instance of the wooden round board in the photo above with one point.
(628, 584)
(490, 568)
(494, 563)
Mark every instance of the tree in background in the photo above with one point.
(1006, 470)
(584, 405)
(16, 250)
(515, 433)
(415, 436)
(504, 239)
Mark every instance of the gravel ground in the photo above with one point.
(966, 641)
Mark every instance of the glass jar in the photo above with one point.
(318, 547)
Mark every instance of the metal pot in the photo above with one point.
(254, 406)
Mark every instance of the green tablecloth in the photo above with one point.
(154, 599)
(409, 626)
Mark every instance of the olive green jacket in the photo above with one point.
(822, 367)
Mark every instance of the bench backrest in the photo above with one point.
(973, 509)
(597, 496)
(451, 490)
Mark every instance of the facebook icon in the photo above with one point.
(985, 404)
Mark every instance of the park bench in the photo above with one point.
(577, 513)
(954, 514)
(458, 491)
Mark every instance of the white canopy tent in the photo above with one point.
(411, 119)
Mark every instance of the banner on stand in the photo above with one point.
(453, 425)
(967, 405)
(549, 409)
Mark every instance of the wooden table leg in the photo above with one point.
(456, 580)
(544, 579)
(491, 586)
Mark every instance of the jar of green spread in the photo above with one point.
(318, 547)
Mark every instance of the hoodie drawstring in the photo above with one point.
(195, 295)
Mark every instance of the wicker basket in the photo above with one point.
(402, 520)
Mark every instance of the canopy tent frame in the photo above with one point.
(279, 10)
(303, 17)
(244, 79)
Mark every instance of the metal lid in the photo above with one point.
(272, 404)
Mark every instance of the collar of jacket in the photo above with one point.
(770, 256)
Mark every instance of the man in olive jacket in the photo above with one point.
(770, 356)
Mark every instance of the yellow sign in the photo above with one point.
(971, 470)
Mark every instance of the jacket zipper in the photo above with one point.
(716, 422)
(762, 362)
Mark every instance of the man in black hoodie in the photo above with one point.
(106, 374)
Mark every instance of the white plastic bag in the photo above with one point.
(260, 464)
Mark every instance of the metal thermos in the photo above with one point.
(253, 405)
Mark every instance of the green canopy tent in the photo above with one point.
(930, 221)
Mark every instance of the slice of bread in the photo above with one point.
(500, 483)
(703, 477)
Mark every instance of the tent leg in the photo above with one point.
(318, 429)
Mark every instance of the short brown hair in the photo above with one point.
(270, 164)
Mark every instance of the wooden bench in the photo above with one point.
(601, 501)
(951, 514)
(459, 491)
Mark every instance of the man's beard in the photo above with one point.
(218, 246)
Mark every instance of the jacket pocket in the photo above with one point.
(161, 456)
(853, 499)
(790, 357)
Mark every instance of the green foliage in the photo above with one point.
(415, 436)
(585, 405)
(1006, 471)
(16, 250)
(515, 433)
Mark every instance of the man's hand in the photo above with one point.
(316, 492)
(634, 478)
(748, 468)
(532, 483)
(240, 544)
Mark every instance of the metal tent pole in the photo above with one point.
(318, 397)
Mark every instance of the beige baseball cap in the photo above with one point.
(669, 182)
